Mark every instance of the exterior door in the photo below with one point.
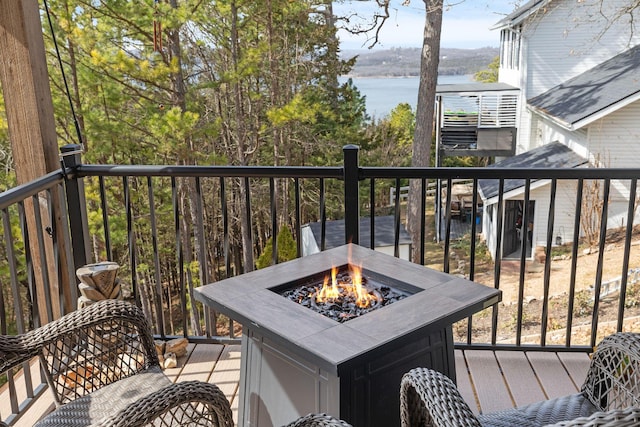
(510, 239)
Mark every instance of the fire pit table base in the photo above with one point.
(278, 386)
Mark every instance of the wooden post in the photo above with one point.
(29, 109)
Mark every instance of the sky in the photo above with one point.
(465, 24)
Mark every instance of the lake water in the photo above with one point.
(384, 94)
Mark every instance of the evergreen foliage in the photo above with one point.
(287, 249)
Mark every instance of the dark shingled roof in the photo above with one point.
(553, 155)
(384, 227)
(595, 90)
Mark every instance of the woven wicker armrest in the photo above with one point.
(86, 349)
(613, 380)
(428, 397)
(184, 403)
(318, 420)
(629, 417)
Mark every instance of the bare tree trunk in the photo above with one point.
(424, 115)
(247, 243)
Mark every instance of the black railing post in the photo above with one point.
(351, 194)
(77, 207)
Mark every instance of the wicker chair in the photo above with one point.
(610, 396)
(101, 364)
(318, 420)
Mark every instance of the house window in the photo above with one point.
(509, 48)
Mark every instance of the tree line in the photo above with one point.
(192, 82)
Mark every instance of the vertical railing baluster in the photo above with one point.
(423, 219)
(11, 259)
(296, 185)
(396, 223)
(547, 262)
(225, 228)
(156, 259)
(131, 239)
(31, 280)
(524, 237)
(351, 195)
(498, 258)
(447, 236)
(372, 213)
(599, 270)
(627, 250)
(247, 200)
(274, 222)
(104, 206)
(323, 217)
(179, 253)
(574, 260)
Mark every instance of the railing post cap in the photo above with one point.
(351, 147)
(70, 147)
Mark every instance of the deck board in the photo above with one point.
(486, 376)
(493, 380)
(227, 374)
(554, 378)
(577, 365)
(201, 363)
(463, 382)
(519, 377)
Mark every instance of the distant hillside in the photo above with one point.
(405, 62)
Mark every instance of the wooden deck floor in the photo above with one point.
(488, 380)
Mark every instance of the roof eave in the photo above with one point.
(517, 191)
(587, 120)
(551, 118)
(508, 22)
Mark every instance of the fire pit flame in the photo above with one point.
(343, 289)
(329, 293)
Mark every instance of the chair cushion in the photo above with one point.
(107, 401)
(541, 413)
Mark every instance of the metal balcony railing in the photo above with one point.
(172, 228)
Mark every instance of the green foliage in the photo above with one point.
(287, 249)
(490, 75)
(388, 141)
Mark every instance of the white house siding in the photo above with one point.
(615, 142)
(615, 139)
(568, 40)
(546, 132)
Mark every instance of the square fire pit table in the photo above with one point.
(296, 360)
